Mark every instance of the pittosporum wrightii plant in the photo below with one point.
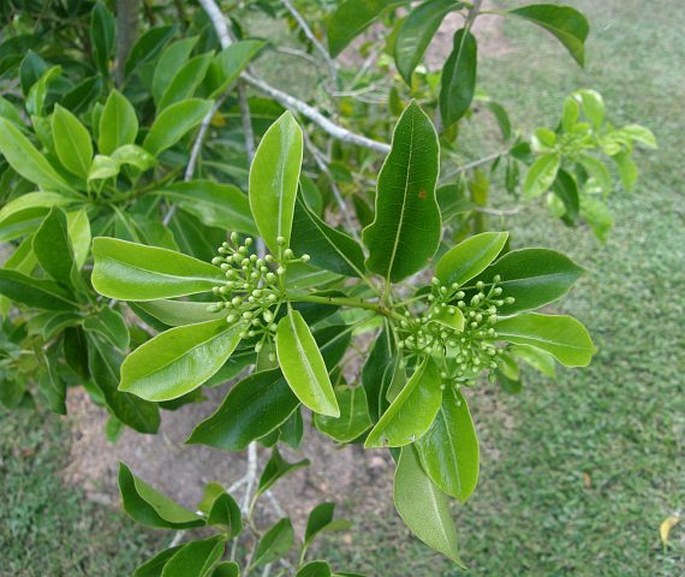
(294, 310)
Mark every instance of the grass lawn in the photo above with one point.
(579, 472)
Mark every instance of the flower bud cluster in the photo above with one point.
(456, 327)
(254, 288)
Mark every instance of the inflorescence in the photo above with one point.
(254, 289)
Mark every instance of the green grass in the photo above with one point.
(47, 529)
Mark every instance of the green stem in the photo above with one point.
(346, 302)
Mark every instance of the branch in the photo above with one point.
(336, 131)
(313, 39)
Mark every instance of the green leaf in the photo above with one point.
(128, 271)
(102, 36)
(104, 364)
(179, 360)
(10, 112)
(540, 360)
(423, 507)
(230, 62)
(640, 134)
(533, 277)
(412, 412)
(541, 175)
(276, 468)
(38, 94)
(174, 122)
(103, 167)
(320, 517)
(276, 542)
(416, 32)
(78, 226)
(52, 247)
(154, 567)
(458, 80)
(172, 59)
(377, 373)
(449, 450)
(225, 511)
(315, 569)
(149, 507)
(599, 173)
(35, 293)
(328, 248)
(118, 124)
(563, 336)
(195, 559)
(627, 169)
(185, 81)
(148, 46)
(111, 325)
(303, 366)
(135, 156)
(221, 205)
(253, 408)
(354, 415)
(25, 159)
(470, 257)
(21, 215)
(274, 176)
(567, 24)
(593, 106)
(566, 190)
(351, 18)
(72, 142)
(226, 569)
(406, 230)
(179, 313)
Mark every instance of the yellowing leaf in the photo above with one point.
(665, 528)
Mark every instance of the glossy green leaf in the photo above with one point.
(230, 62)
(533, 277)
(541, 175)
(25, 159)
(35, 293)
(195, 559)
(351, 18)
(354, 415)
(226, 512)
(276, 468)
(315, 569)
(179, 360)
(416, 32)
(185, 82)
(423, 507)
(171, 60)
(38, 94)
(52, 247)
(276, 542)
(221, 205)
(149, 507)
(154, 566)
(303, 366)
(179, 313)
(118, 123)
(103, 167)
(135, 156)
(128, 271)
(148, 46)
(22, 215)
(377, 373)
(111, 326)
(449, 450)
(640, 134)
(538, 359)
(406, 230)
(458, 80)
(72, 142)
(566, 190)
(328, 247)
(104, 363)
(593, 106)
(174, 122)
(226, 569)
(102, 36)
(78, 227)
(320, 517)
(563, 336)
(412, 412)
(470, 257)
(274, 176)
(10, 112)
(599, 173)
(567, 24)
(253, 408)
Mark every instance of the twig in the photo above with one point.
(336, 131)
(297, 52)
(322, 163)
(313, 39)
(275, 504)
(178, 537)
(246, 119)
(479, 162)
(498, 212)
